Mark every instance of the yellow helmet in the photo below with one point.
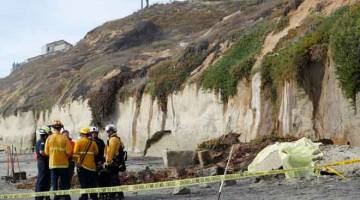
(85, 131)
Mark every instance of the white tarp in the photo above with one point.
(301, 153)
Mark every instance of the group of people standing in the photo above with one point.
(97, 164)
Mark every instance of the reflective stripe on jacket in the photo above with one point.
(58, 148)
(112, 149)
(89, 156)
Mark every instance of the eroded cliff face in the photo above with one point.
(194, 114)
(337, 118)
(19, 130)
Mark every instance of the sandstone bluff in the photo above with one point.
(197, 69)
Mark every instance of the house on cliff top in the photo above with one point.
(52, 48)
(60, 45)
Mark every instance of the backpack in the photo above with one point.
(120, 159)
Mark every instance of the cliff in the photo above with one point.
(200, 70)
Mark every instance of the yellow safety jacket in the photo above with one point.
(58, 148)
(112, 148)
(88, 157)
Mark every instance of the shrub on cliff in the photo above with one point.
(345, 46)
(341, 32)
(102, 101)
(282, 24)
(287, 63)
(169, 76)
(237, 62)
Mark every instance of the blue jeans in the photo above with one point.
(43, 178)
(62, 175)
(87, 179)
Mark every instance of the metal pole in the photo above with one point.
(142, 4)
(226, 168)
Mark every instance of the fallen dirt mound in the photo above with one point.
(216, 151)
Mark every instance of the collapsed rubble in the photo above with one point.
(216, 151)
(211, 156)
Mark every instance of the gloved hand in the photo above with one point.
(99, 167)
(106, 166)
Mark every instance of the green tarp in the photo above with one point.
(301, 153)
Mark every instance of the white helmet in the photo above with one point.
(94, 129)
(110, 129)
(45, 130)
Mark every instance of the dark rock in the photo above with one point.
(204, 186)
(181, 191)
(230, 183)
(326, 141)
(212, 171)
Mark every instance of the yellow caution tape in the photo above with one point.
(171, 184)
(335, 172)
(345, 162)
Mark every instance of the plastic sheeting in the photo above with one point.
(288, 155)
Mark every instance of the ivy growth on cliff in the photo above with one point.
(345, 46)
(168, 76)
(237, 62)
(287, 63)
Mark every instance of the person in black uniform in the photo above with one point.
(99, 160)
(43, 178)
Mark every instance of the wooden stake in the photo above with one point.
(12, 161)
(226, 168)
(8, 160)
(17, 159)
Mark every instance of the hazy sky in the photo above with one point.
(26, 25)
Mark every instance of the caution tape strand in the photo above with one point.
(173, 184)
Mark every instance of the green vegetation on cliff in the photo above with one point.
(345, 48)
(290, 61)
(237, 62)
(168, 76)
(282, 24)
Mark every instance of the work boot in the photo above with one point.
(120, 195)
(103, 196)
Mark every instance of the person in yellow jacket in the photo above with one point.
(85, 152)
(58, 148)
(114, 145)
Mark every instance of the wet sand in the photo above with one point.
(318, 188)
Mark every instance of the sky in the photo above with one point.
(27, 25)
